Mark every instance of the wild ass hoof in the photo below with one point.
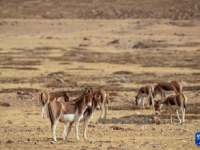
(77, 139)
(85, 138)
(53, 142)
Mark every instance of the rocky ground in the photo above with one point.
(119, 55)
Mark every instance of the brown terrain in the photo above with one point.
(98, 43)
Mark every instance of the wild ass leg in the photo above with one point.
(54, 130)
(106, 111)
(85, 128)
(64, 131)
(76, 129)
(102, 110)
(148, 101)
(183, 115)
(42, 111)
(69, 129)
(152, 100)
(170, 113)
(178, 116)
(142, 101)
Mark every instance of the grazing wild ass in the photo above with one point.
(143, 92)
(69, 112)
(174, 102)
(45, 98)
(87, 116)
(168, 88)
(104, 100)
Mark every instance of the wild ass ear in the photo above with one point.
(86, 90)
(94, 95)
(90, 90)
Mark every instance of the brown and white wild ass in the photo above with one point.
(168, 88)
(69, 112)
(104, 100)
(88, 115)
(143, 92)
(174, 102)
(45, 98)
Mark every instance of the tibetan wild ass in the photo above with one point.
(174, 102)
(45, 98)
(69, 112)
(87, 116)
(143, 92)
(104, 100)
(168, 88)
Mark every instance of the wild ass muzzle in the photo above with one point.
(88, 115)
(174, 102)
(69, 112)
(104, 101)
(143, 92)
(168, 88)
(45, 98)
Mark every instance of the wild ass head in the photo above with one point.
(157, 107)
(137, 99)
(88, 97)
(66, 96)
(97, 101)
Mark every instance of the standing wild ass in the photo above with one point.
(45, 98)
(69, 112)
(174, 102)
(168, 88)
(87, 116)
(104, 100)
(143, 92)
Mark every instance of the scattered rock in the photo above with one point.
(183, 129)
(49, 37)
(9, 142)
(121, 128)
(122, 79)
(92, 142)
(115, 100)
(85, 38)
(111, 147)
(157, 119)
(147, 144)
(188, 139)
(126, 94)
(9, 122)
(83, 45)
(5, 104)
(91, 125)
(138, 45)
(179, 34)
(114, 42)
(60, 80)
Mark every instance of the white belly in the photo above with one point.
(168, 92)
(67, 117)
(143, 95)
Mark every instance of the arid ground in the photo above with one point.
(117, 55)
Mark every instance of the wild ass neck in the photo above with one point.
(80, 103)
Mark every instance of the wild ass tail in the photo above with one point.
(50, 115)
(185, 101)
(41, 99)
(107, 97)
